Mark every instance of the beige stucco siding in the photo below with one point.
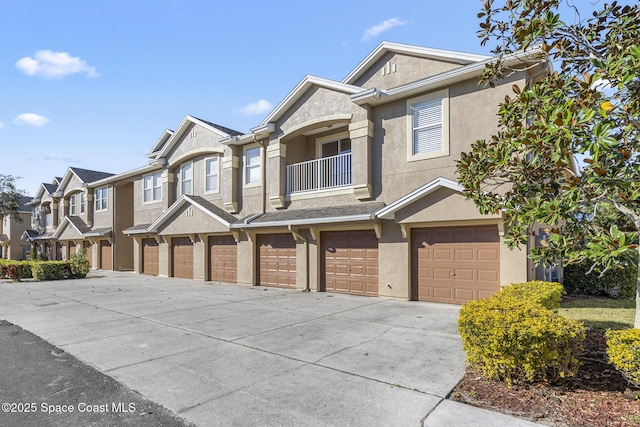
(408, 69)
(195, 139)
(472, 116)
(316, 103)
(189, 220)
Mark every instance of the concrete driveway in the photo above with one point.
(223, 354)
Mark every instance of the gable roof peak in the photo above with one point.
(461, 58)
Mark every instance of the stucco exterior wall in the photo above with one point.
(408, 69)
(145, 213)
(246, 261)
(103, 218)
(472, 116)
(394, 268)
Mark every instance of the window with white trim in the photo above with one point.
(212, 173)
(152, 188)
(252, 166)
(428, 126)
(101, 198)
(72, 205)
(82, 202)
(186, 178)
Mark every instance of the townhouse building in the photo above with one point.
(346, 186)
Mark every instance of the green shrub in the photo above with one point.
(623, 349)
(511, 338)
(19, 270)
(615, 283)
(52, 270)
(547, 294)
(80, 265)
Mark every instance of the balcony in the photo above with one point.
(320, 174)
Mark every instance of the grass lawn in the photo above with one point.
(600, 313)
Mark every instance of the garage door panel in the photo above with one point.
(277, 260)
(150, 257)
(472, 253)
(223, 259)
(465, 294)
(350, 262)
(105, 255)
(182, 256)
(464, 255)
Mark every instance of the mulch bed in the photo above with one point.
(597, 396)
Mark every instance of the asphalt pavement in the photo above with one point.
(43, 385)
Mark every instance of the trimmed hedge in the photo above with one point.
(16, 270)
(52, 270)
(512, 336)
(615, 283)
(623, 349)
(547, 294)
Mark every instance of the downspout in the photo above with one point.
(306, 250)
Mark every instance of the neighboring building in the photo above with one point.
(11, 244)
(70, 214)
(345, 187)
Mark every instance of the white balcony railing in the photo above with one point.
(319, 174)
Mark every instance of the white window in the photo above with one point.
(335, 147)
(429, 126)
(152, 191)
(186, 178)
(72, 205)
(252, 169)
(81, 203)
(101, 199)
(212, 168)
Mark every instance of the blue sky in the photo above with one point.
(93, 84)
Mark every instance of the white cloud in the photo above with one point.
(1, 125)
(31, 119)
(255, 108)
(382, 27)
(60, 157)
(54, 65)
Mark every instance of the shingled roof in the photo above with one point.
(87, 176)
(51, 188)
(226, 130)
(24, 204)
(329, 214)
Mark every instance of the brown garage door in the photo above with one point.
(182, 255)
(87, 248)
(150, 257)
(105, 255)
(455, 265)
(223, 259)
(349, 263)
(277, 260)
(72, 249)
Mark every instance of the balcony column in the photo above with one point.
(230, 180)
(276, 172)
(65, 206)
(361, 135)
(55, 216)
(168, 188)
(90, 208)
